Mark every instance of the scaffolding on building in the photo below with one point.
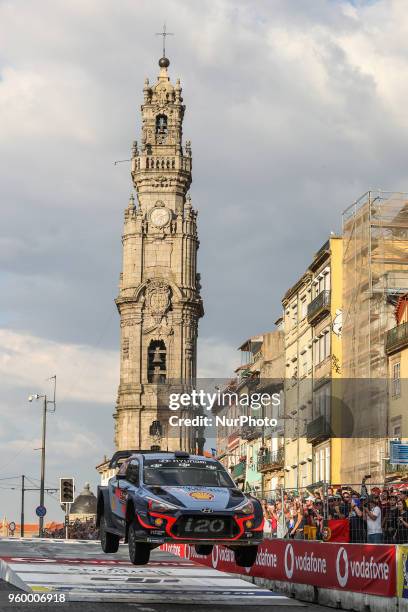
(375, 264)
(375, 274)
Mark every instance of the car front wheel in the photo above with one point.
(245, 556)
(109, 541)
(139, 552)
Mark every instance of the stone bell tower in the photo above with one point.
(159, 296)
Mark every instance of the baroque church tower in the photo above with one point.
(159, 294)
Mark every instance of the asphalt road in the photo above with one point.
(93, 581)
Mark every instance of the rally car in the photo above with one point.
(159, 497)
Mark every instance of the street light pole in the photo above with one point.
(44, 430)
(42, 484)
(22, 507)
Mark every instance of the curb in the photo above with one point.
(9, 575)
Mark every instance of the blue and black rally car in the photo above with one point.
(158, 497)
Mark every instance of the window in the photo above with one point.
(294, 316)
(396, 379)
(185, 473)
(132, 472)
(396, 428)
(322, 347)
(303, 308)
(321, 463)
(327, 464)
(322, 283)
(321, 402)
(304, 363)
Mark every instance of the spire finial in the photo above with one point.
(164, 62)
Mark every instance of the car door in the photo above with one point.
(118, 492)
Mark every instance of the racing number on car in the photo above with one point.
(204, 525)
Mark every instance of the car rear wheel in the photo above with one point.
(245, 556)
(204, 549)
(109, 541)
(139, 552)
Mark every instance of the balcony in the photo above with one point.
(238, 471)
(271, 460)
(319, 306)
(318, 430)
(397, 338)
(249, 432)
(395, 468)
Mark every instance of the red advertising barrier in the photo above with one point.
(364, 568)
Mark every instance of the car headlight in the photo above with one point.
(246, 508)
(155, 505)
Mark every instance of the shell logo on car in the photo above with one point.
(201, 495)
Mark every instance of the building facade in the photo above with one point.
(298, 387)
(396, 346)
(159, 299)
(254, 454)
(324, 314)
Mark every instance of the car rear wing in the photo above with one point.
(124, 454)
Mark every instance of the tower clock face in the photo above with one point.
(160, 216)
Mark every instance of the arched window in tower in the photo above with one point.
(161, 128)
(156, 362)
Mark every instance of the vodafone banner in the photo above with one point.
(365, 568)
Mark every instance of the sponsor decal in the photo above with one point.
(202, 495)
(289, 561)
(342, 567)
(214, 557)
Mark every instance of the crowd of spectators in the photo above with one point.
(77, 530)
(376, 516)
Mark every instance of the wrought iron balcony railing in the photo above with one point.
(249, 432)
(318, 306)
(393, 468)
(397, 338)
(318, 429)
(271, 460)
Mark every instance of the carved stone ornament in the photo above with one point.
(158, 299)
(160, 181)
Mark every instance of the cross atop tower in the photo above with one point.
(164, 34)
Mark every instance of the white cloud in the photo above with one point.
(216, 359)
(84, 373)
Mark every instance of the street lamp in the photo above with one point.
(36, 396)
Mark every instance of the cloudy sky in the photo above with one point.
(294, 109)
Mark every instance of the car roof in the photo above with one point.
(172, 455)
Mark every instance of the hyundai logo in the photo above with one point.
(206, 510)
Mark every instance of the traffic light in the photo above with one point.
(66, 490)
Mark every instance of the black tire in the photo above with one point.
(139, 552)
(245, 556)
(204, 549)
(109, 541)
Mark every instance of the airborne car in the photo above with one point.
(159, 497)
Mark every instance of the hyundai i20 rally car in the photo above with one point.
(159, 497)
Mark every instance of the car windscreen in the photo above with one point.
(185, 473)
